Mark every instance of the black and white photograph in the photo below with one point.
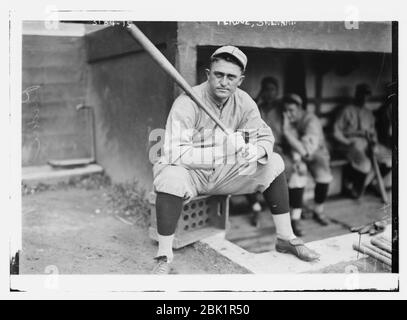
(248, 155)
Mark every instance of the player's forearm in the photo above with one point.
(339, 136)
(295, 144)
(199, 158)
(264, 141)
(264, 150)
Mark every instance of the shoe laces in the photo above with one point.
(161, 266)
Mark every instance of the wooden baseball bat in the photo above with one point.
(379, 178)
(361, 248)
(384, 240)
(378, 250)
(376, 168)
(162, 61)
(381, 245)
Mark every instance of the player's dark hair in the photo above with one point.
(287, 99)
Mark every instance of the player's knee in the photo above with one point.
(323, 176)
(321, 171)
(297, 180)
(363, 166)
(172, 180)
(277, 163)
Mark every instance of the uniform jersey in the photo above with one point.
(190, 132)
(354, 120)
(309, 131)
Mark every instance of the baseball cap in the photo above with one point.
(233, 51)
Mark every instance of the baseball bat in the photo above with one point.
(363, 249)
(376, 168)
(379, 179)
(378, 250)
(384, 240)
(381, 245)
(162, 61)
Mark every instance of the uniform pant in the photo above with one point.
(317, 164)
(232, 179)
(359, 159)
(174, 184)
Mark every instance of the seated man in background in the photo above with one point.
(355, 130)
(304, 149)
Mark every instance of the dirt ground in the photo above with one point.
(72, 230)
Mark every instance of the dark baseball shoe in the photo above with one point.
(296, 247)
(297, 227)
(321, 218)
(162, 265)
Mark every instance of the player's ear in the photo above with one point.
(207, 71)
(242, 77)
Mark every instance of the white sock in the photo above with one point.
(296, 214)
(165, 246)
(256, 207)
(283, 226)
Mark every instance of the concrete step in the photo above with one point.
(46, 174)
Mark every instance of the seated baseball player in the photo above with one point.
(354, 126)
(304, 149)
(198, 158)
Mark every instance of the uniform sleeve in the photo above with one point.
(179, 148)
(312, 134)
(372, 129)
(259, 133)
(340, 122)
(343, 124)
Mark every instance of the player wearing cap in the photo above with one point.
(200, 159)
(304, 149)
(352, 127)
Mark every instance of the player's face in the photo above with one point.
(293, 112)
(224, 77)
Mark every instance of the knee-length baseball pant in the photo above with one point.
(175, 184)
